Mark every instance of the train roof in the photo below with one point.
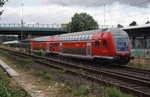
(112, 30)
(81, 33)
(45, 38)
(11, 42)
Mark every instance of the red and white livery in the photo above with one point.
(107, 44)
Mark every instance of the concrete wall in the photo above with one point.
(141, 53)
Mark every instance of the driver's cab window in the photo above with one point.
(97, 43)
(105, 44)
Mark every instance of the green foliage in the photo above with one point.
(2, 2)
(82, 22)
(2, 53)
(44, 74)
(8, 90)
(25, 63)
(83, 91)
(114, 92)
(133, 23)
(147, 22)
(81, 71)
(67, 89)
(39, 52)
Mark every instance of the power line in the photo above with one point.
(128, 6)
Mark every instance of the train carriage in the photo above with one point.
(40, 44)
(107, 44)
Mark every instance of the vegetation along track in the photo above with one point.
(136, 85)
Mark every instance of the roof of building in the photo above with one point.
(137, 27)
(11, 42)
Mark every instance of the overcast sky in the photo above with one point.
(60, 11)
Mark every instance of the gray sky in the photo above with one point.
(61, 11)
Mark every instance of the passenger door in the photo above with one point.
(105, 49)
(88, 49)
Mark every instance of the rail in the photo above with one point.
(132, 84)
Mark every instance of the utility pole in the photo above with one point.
(21, 27)
(22, 21)
(104, 15)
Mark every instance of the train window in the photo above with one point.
(74, 37)
(67, 38)
(86, 37)
(90, 37)
(70, 37)
(97, 43)
(80, 37)
(77, 37)
(105, 44)
(83, 37)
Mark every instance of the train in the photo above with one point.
(109, 45)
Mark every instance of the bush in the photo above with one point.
(40, 52)
(114, 92)
(9, 90)
(46, 75)
(83, 91)
(25, 63)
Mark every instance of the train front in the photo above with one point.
(122, 46)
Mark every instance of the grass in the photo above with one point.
(25, 63)
(114, 92)
(73, 85)
(44, 74)
(83, 91)
(81, 71)
(140, 63)
(7, 89)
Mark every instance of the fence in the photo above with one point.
(5, 25)
(141, 53)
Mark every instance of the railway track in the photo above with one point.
(132, 83)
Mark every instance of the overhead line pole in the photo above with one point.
(104, 15)
(22, 21)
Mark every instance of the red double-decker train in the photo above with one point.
(107, 44)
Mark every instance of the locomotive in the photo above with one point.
(107, 44)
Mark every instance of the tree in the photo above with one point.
(119, 26)
(133, 23)
(2, 2)
(82, 22)
(147, 22)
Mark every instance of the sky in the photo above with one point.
(60, 11)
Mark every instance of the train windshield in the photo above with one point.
(121, 43)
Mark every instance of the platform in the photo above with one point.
(8, 69)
